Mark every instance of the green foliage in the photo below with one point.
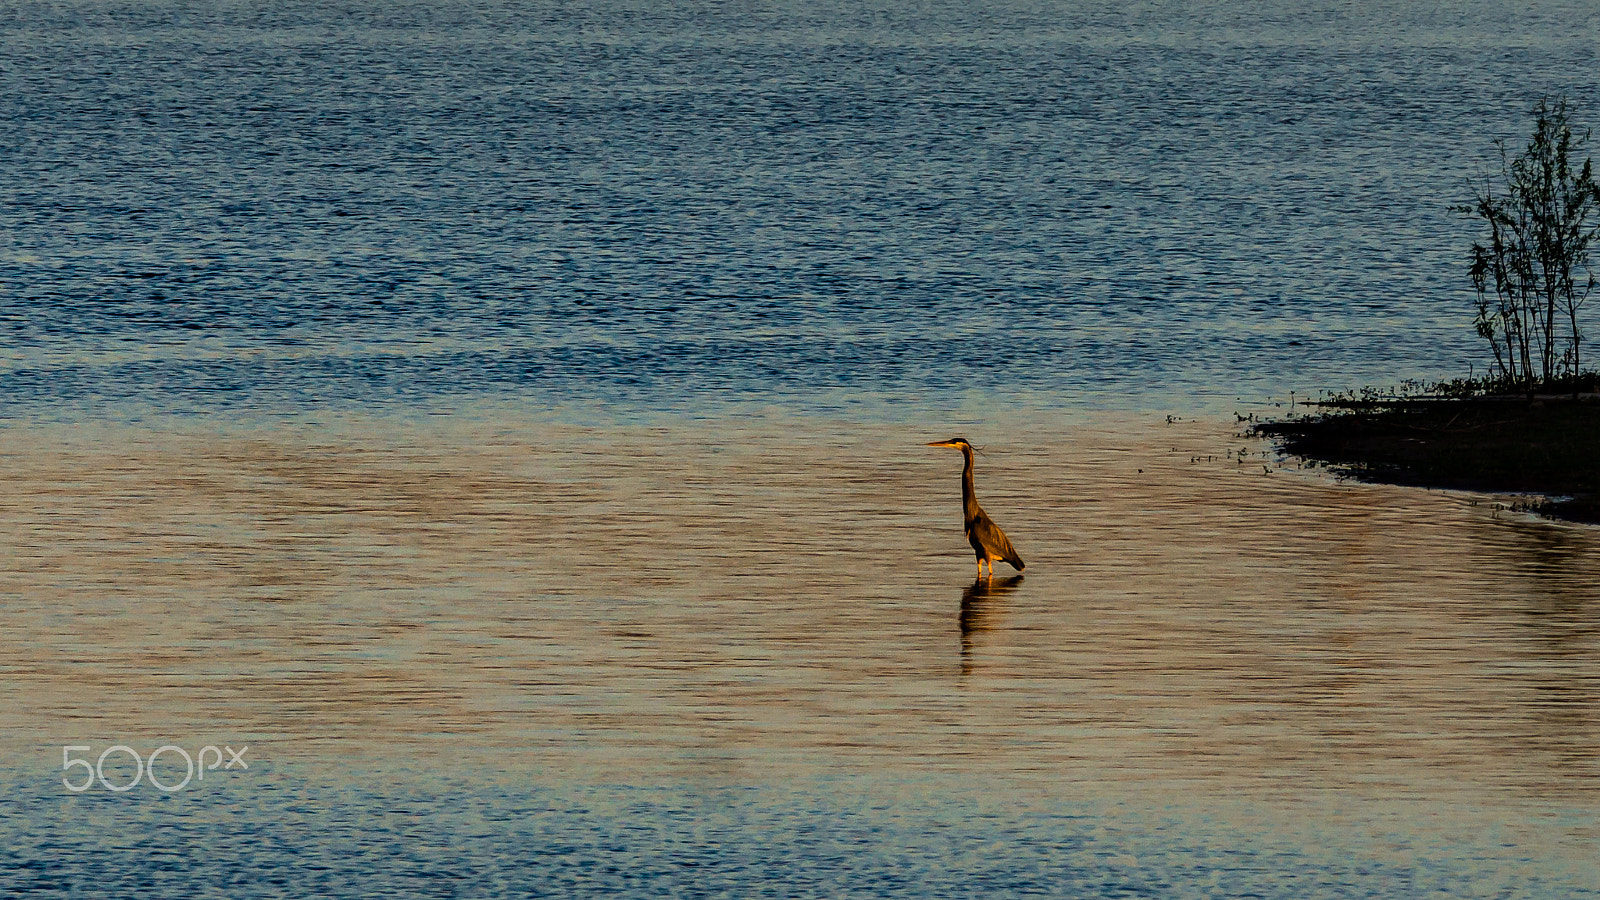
(1532, 274)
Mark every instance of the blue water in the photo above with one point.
(669, 207)
(448, 837)
(585, 217)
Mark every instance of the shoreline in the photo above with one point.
(1548, 446)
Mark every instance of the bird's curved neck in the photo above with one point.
(969, 495)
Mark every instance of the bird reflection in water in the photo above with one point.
(980, 603)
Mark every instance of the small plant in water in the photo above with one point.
(1532, 271)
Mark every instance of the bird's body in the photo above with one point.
(986, 538)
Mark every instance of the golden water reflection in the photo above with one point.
(780, 592)
(981, 602)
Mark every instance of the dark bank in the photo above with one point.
(1544, 446)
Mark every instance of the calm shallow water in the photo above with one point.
(505, 420)
(468, 661)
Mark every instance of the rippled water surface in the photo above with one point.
(722, 656)
(502, 424)
(247, 206)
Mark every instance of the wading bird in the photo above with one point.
(987, 540)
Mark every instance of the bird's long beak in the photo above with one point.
(941, 444)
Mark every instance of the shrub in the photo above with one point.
(1532, 275)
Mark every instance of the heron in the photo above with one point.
(986, 538)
